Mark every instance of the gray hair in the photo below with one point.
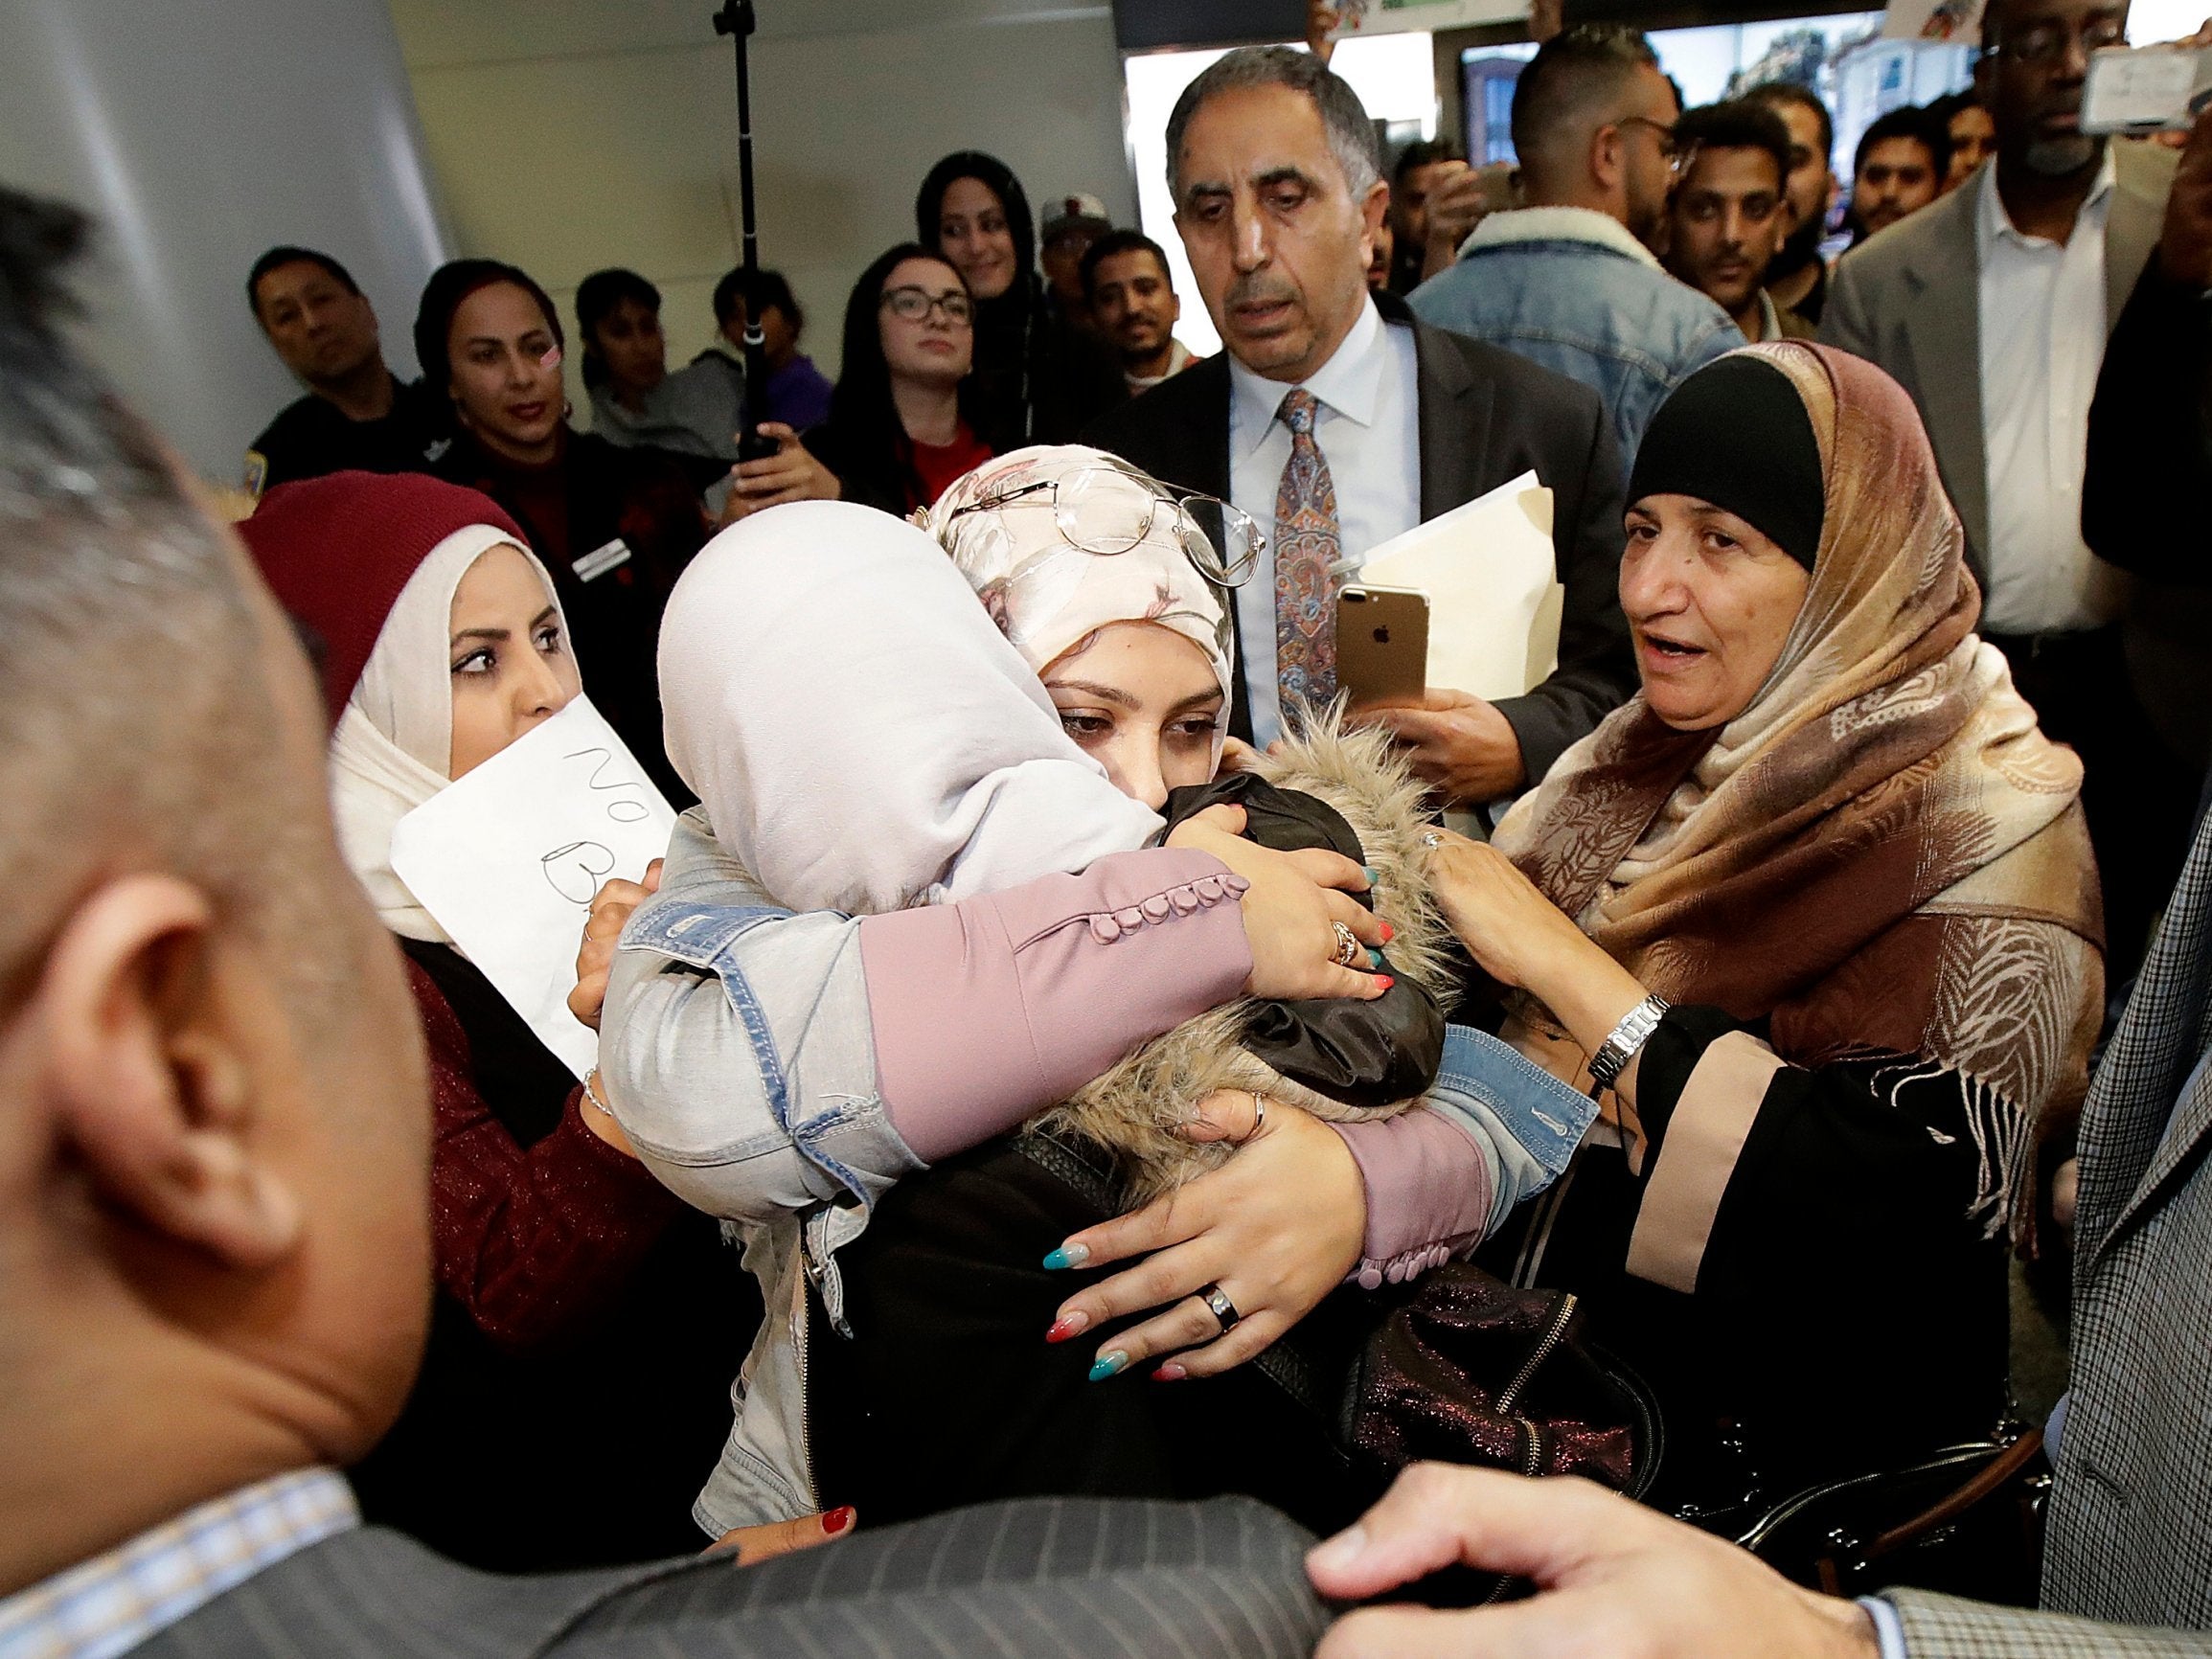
(1351, 134)
(134, 705)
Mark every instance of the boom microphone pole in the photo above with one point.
(735, 20)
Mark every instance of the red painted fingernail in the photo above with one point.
(839, 1519)
(1067, 1325)
(1388, 933)
(1170, 1372)
(1384, 981)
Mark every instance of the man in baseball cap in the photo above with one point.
(1071, 224)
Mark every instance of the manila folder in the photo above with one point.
(1493, 594)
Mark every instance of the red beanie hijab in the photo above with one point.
(337, 550)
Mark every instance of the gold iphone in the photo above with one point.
(1381, 644)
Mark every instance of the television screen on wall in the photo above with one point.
(1152, 25)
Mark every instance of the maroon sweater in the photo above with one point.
(532, 1242)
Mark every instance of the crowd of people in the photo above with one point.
(1065, 1065)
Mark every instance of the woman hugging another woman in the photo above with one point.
(850, 1092)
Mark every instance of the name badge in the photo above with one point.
(600, 560)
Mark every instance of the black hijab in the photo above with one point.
(1735, 434)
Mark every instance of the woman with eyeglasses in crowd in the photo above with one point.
(900, 428)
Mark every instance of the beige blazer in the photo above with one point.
(1910, 300)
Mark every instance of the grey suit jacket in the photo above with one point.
(1067, 1577)
(1911, 301)
(2130, 1515)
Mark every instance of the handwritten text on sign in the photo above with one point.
(509, 857)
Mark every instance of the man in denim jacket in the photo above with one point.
(1568, 280)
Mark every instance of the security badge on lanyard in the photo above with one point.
(593, 565)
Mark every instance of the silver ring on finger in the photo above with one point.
(1225, 1310)
(1432, 840)
(1259, 1113)
(1350, 952)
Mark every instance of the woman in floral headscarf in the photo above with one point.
(1829, 831)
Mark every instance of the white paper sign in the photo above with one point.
(1495, 600)
(2158, 89)
(507, 859)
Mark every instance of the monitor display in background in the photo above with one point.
(1840, 55)
(1185, 25)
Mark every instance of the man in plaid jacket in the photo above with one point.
(2128, 1560)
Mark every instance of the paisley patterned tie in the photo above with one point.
(1306, 546)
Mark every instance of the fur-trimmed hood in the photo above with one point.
(1136, 1108)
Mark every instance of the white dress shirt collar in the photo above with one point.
(1350, 382)
(2041, 309)
(1991, 222)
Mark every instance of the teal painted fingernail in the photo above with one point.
(1067, 1255)
(1110, 1363)
(1374, 958)
(1374, 876)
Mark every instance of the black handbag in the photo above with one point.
(1967, 1521)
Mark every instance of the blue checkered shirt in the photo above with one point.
(110, 1604)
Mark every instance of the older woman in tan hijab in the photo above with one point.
(1816, 916)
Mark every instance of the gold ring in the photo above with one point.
(1349, 950)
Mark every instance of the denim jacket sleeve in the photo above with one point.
(1496, 1129)
(764, 1062)
(735, 1047)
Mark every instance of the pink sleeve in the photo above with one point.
(993, 1009)
(1429, 1192)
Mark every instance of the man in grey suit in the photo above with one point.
(1991, 307)
(2128, 1557)
(214, 1264)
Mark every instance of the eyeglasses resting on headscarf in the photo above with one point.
(1092, 508)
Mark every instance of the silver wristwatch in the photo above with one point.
(1620, 1048)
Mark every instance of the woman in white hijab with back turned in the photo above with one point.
(788, 1071)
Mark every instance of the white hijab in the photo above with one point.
(395, 741)
(861, 735)
(1048, 597)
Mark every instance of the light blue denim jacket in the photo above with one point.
(737, 1052)
(1573, 290)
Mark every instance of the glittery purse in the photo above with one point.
(1471, 1370)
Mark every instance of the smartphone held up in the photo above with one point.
(1381, 645)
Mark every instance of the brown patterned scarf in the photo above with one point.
(1886, 771)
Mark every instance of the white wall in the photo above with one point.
(200, 132)
(571, 134)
